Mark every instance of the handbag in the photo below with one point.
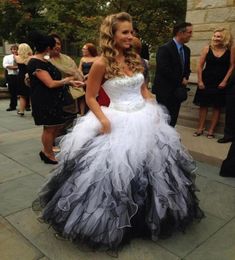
(76, 92)
(181, 94)
(66, 96)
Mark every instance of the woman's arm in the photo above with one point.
(47, 80)
(146, 93)
(230, 70)
(93, 84)
(201, 64)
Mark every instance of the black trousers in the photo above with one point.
(12, 81)
(229, 129)
(228, 166)
(173, 109)
(172, 106)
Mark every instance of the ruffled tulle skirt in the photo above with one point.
(137, 179)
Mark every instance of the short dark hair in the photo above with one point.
(55, 35)
(180, 27)
(41, 42)
(14, 47)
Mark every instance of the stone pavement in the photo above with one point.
(22, 173)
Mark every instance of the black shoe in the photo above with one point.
(46, 159)
(10, 109)
(28, 109)
(224, 140)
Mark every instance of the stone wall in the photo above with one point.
(206, 15)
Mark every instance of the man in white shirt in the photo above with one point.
(12, 79)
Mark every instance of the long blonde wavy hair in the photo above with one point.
(226, 38)
(109, 50)
(24, 52)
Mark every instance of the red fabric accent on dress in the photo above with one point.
(103, 99)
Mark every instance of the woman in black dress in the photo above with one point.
(46, 95)
(89, 56)
(215, 67)
(22, 59)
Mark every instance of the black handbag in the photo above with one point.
(66, 96)
(181, 94)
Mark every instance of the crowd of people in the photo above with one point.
(216, 83)
(122, 170)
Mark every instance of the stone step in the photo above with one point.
(4, 93)
(189, 113)
(203, 149)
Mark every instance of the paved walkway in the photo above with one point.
(22, 173)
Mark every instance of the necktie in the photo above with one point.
(181, 52)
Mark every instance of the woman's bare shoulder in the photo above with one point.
(206, 48)
(99, 63)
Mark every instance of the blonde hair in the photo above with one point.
(226, 38)
(24, 52)
(109, 51)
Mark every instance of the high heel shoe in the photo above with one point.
(46, 159)
(210, 136)
(20, 113)
(198, 133)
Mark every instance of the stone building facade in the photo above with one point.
(206, 15)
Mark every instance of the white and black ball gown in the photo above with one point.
(138, 178)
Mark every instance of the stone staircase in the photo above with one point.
(4, 93)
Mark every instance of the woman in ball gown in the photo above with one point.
(122, 169)
(215, 67)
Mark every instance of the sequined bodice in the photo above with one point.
(125, 92)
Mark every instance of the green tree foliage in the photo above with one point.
(19, 17)
(78, 21)
(153, 18)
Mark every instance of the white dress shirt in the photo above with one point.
(9, 60)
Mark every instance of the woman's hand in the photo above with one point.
(222, 85)
(77, 83)
(106, 126)
(184, 82)
(201, 85)
(67, 80)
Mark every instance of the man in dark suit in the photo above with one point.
(173, 69)
(229, 128)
